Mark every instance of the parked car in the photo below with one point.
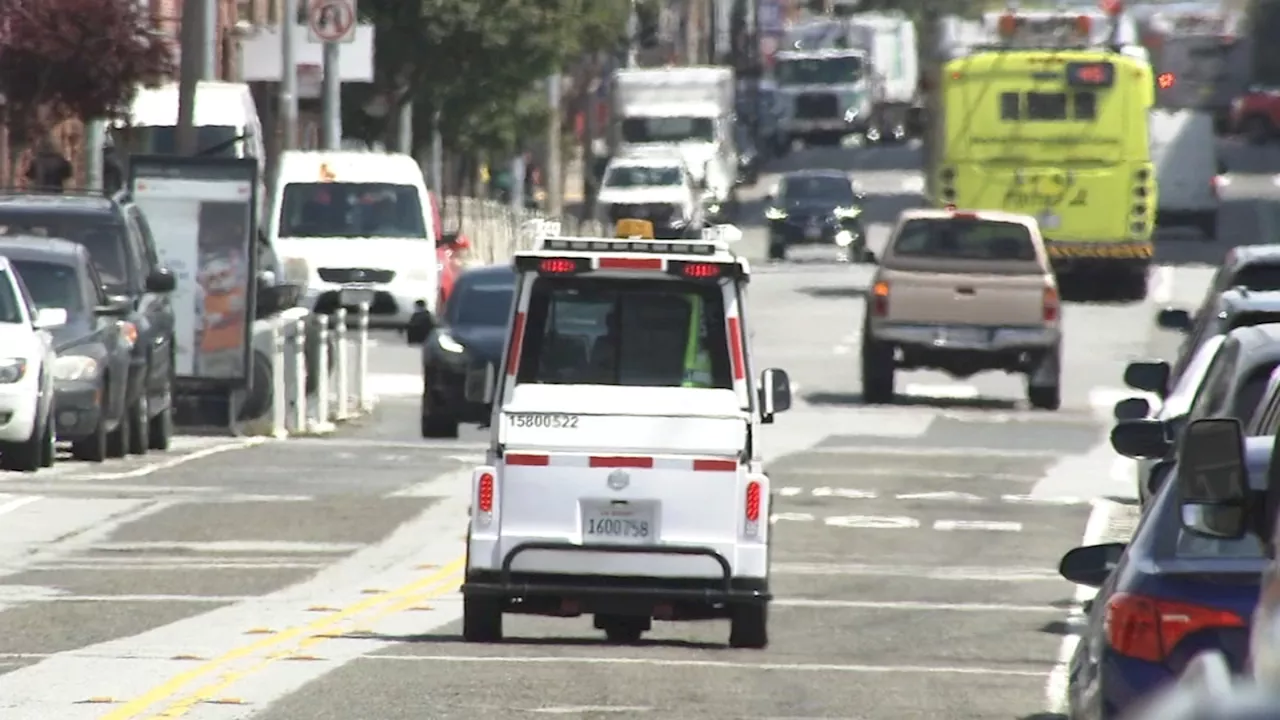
(459, 346)
(1220, 313)
(1166, 595)
(26, 383)
(123, 250)
(94, 344)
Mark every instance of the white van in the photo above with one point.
(362, 223)
(226, 120)
(1187, 170)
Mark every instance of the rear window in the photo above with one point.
(1257, 277)
(634, 333)
(962, 239)
(99, 234)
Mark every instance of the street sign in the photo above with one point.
(331, 21)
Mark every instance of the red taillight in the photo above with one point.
(1052, 305)
(484, 493)
(1149, 629)
(880, 299)
(557, 266)
(753, 501)
(700, 270)
(621, 263)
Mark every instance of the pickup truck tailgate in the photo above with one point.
(965, 299)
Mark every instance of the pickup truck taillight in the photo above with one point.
(880, 299)
(1052, 304)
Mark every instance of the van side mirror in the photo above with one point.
(1091, 565)
(1149, 376)
(1144, 438)
(1213, 484)
(775, 393)
(1175, 319)
(161, 281)
(1132, 409)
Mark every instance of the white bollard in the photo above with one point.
(364, 401)
(342, 368)
(279, 388)
(300, 375)
(322, 422)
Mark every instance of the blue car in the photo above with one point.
(1162, 598)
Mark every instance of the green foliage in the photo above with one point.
(476, 62)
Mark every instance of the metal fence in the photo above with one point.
(497, 232)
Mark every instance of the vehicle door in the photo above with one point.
(109, 332)
(155, 311)
(47, 355)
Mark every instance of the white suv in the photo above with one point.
(26, 383)
(624, 477)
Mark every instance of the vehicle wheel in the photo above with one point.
(49, 451)
(26, 456)
(481, 620)
(139, 427)
(1257, 130)
(877, 371)
(94, 447)
(118, 439)
(749, 627)
(622, 630)
(436, 424)
(1208, 224)
(1044, 397)
(777, 250)
(160, 429)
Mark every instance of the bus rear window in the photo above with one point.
(1046, 106)
(962, 239)
(1049, 107)
(642, 333)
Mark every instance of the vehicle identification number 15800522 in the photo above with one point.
(543, 420)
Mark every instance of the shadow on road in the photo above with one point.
(942, 403)
(537, 641)
(829, 293)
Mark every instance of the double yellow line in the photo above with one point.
(180, 699)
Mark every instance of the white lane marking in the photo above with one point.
(841, 350)
(790, 517)
(169, 464)
(983, 525)
(579, 709)
(1038, 500)
(1055, 689)
(17, 503)
(954, 391)
(713, 664)
(848, 493)
(873, 522)
(948, 495)
(911, 605)
(1161, 285)
(790, 491)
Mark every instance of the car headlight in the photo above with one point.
(12, 370)
(844, 238)
(848, 213)
(448, 344)
(774, 213)
(75, 367)
(850, 115)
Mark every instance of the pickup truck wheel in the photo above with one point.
(877, 371)
(1045, 397)
(749, 627)
(481, 620)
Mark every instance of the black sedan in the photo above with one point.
(459, 346)
(815, 207)
(91, 373)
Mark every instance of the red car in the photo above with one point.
(1256, 115)
(451, 249)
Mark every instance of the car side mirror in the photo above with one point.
(421, 323)
(1213, 485)
(1091, 565)
(47, 318)
(161, 281)
(116, 306)
(1140, 439)
(1175, 319)
(1149, 376)
(775, 393)
(1156, 476)
(1132, 409)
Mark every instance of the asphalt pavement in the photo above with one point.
(914, 559)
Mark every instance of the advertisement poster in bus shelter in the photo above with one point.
(201, 211)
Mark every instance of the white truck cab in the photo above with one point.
(624, 477)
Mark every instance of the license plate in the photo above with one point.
(962, 336)
(812, 233)
(355, 296)
(618, 524)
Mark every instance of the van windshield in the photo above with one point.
(351, 210)
(630, 332)
(163, 140)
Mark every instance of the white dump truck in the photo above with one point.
(825, 93)
(889, 40)
(689, 108)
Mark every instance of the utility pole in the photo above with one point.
(633, 36)
(190, 35)
(209, 40)
(555, 159)
(691, 28)
(331, 121)
(95, 137)
(288, 111)
(437, 158)
(404, 127)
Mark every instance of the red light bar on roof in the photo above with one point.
(626, 263)
(560, 266)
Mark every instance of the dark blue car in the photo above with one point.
(1162, 598)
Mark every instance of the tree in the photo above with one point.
(74, 58)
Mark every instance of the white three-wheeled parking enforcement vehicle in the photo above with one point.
(624, 477)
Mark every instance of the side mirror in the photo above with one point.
(116, 306)
(1132, 409)
(1156, 476)
(1149, 376)
(161, 281)
(1174, 319)
(1213, 485)
(1140, 439)
(480, 385)
(775, 393)
(1091, 565)
(47, 318)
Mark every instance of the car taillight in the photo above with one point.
(880, 299)
(753, 502)
(1149, 629)
(1052, 304)
(484, 493)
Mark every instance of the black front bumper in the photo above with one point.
(448, 387)
(788, 232)
(563, 594)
